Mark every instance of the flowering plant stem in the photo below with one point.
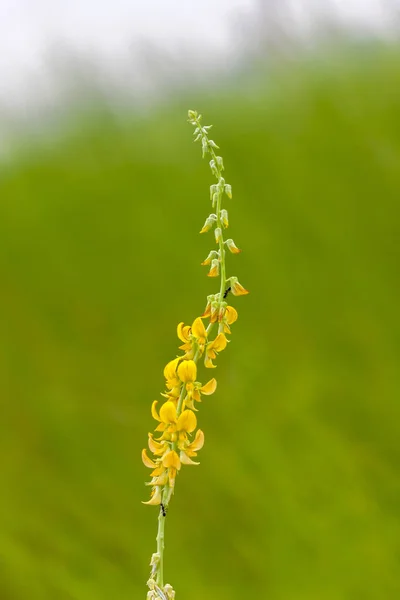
(180, 440)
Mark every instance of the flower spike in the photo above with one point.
(177, 438)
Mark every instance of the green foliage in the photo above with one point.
(301, 500)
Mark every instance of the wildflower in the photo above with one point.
(176, 440)
(228, 317)
(194, 337)
(213, 348)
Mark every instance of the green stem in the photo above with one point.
(160, 549)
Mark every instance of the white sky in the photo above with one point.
(109, 30)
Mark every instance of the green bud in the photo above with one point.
(211, 219)
(224, 218)
(220, 162)
(228, 190)
(213, 167)
(204, 146)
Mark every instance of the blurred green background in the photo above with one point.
(298, 492)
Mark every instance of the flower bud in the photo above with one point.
(192, 114)
(212, 254)
(232, 246)
(228, 190)
(236, 288)
(224, 218)
(213, 167)
(211, 219)
(213, 190)
(220, 162)
(218, 234)
(214, 271)
(205, 148)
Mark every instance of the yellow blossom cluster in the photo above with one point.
(176, 443)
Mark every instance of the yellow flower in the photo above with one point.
(229, 316)
(194, 337)
(198, 389)
(172, 463)
(213, 348)
(190, 449)
(172, 381)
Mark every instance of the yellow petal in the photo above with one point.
(208, 362)
(157, 471)
(147, 461)
(187, 421)
(168, 412)
(154, 412)
(160, 480)
(238, 289)
(170, 368)
(187, 371)
(189, 403)
(155, 447)
(209, 388)
(183, 332)
(214, 271)
(171, 460)
(231, 315)
(198, 329)
(198, 441)
(220, 342)
(185, 460)
(155, 497)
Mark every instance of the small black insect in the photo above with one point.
(226, 292)
(163, 510)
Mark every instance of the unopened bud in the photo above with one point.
(232, 246)
(192, 114)
(228, 190)
(213, 144)
(169, 590)
(218, 234)
(214, 271)
(224, 218)
(213, 190)
(204, 146)
(220, 162)
(213, 167)
(212, 254)
(211, 219)
(236, 288)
